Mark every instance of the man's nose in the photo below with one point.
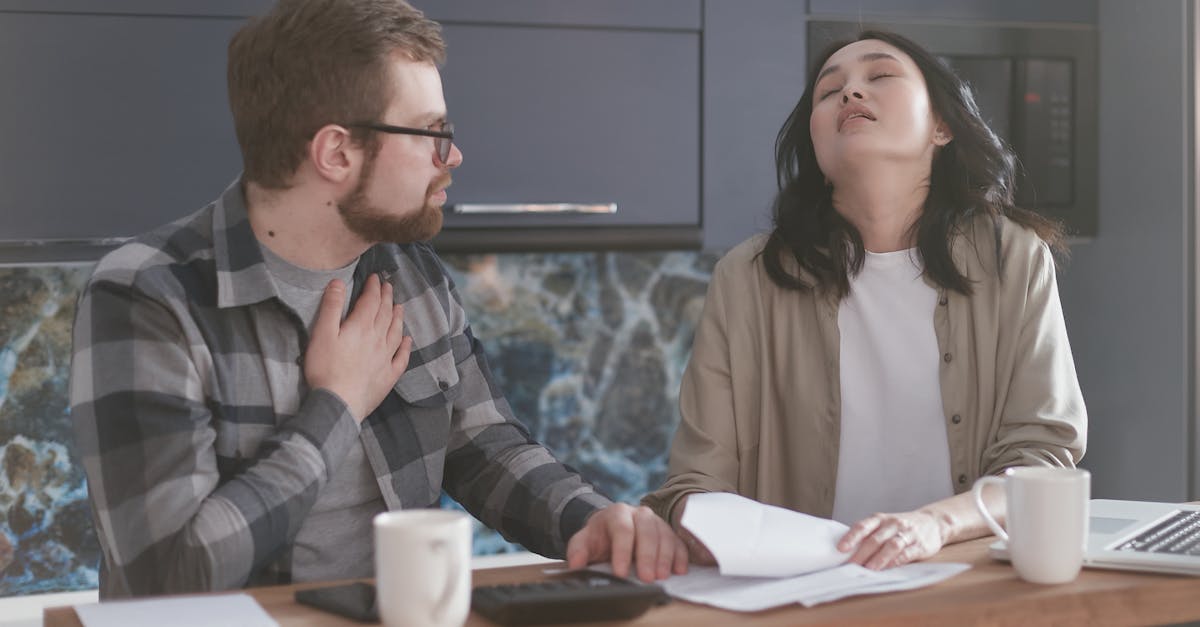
(456, 157)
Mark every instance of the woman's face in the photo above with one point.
(870, 103)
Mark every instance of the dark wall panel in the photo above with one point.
(1127, 294)
(753, 74)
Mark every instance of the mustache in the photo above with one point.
(440, 183)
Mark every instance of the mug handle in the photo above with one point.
(449, 586)
(977, 494)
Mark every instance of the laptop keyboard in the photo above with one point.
(1179, 534)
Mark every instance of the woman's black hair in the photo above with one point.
(971, 176)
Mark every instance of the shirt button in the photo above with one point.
(962, 479)
(947, 357)
(445, 386)
(956, 419)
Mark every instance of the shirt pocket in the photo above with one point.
(431, 384)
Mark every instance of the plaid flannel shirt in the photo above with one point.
(204, 450)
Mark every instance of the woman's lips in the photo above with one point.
(854, 112)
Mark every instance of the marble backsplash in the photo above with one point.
(589, 348)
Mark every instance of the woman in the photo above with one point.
(896, 336)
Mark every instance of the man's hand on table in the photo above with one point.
(625, 535)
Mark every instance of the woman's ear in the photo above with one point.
(942, 134)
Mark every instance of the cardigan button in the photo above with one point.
(443, 385)
(956, 419)
(943, 300)
(947, 357)
(962, 479)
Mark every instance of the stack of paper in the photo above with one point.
(770, 556)
(227, 610)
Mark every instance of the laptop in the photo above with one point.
(1138, 535)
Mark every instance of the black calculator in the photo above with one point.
(573, 597)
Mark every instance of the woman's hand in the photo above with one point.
(887, 540)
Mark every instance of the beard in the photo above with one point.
(375, 225)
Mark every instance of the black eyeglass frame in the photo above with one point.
(445, 136)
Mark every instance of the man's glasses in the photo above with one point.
(444, 137)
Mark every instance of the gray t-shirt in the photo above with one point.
(336, 540)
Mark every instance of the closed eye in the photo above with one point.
(883, 75)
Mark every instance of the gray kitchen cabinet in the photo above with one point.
(117, 120)
(1079, 11)
(112, 124)
(625, 14)
(574, 103)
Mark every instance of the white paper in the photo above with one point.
(749, 539)
(913, 576)
(769, 556)
(227, 610)
(752, 594)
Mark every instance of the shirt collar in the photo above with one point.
(242, 274)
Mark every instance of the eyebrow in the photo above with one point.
(870, 56)
(430, 117)
(437, 119)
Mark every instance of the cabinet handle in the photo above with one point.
(553, 207)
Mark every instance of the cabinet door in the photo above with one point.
(976, 10)
(112, 124)
(551, 114)
(660, 14)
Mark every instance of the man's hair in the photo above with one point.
(972, 176)
(308, 63)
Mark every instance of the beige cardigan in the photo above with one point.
(761, 403)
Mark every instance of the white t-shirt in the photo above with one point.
(894, 455)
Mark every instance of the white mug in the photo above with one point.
(1047, 520)
(423, 567)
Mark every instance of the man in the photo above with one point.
(252, 383)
